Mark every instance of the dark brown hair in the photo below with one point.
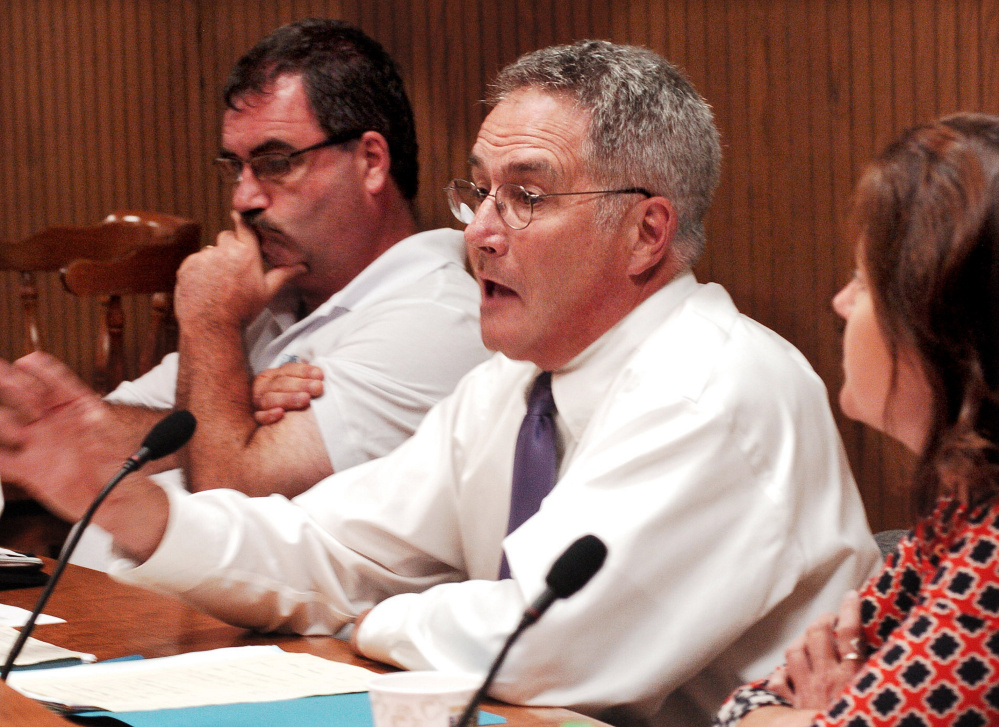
(926, 213)
(351, 82)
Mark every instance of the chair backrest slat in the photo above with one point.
(129, 253)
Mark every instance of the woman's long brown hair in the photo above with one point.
(926, 213)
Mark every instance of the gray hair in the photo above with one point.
(648, 126)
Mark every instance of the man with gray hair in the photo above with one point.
(695, 443)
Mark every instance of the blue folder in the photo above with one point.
(337, 710)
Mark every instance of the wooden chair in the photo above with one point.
(129, 253)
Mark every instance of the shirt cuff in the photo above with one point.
(381, 636)
(179, 562)
(743, 701)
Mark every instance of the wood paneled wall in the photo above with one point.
(108, 104)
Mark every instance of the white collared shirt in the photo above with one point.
(700, 449)
(412, 332)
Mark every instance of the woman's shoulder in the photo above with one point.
(953, 525)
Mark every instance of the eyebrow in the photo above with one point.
(540, 167)
(267, 147)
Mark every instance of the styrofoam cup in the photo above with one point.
(420, 698)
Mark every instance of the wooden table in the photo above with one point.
(17, 711)
(111, 619)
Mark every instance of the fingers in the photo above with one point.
(299, 370)
(810, 658)
(22, 396)
(779, 684)
(57, 446)
(241, 236)
(290, 401)
(243, 230)
(357, 627)
(61, 385)
(849, 637)
(229, 241)
(848, 633)
(33, 385)
(276, 278)
(283, 380)
(225, 284)
(268, 416)
(820, 642)
(30, 389)
(826, 657)
(12, 430)
(290, 387)
(240, 230)
(797, 664)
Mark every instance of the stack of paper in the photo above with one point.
(246, 674)
(35, 651)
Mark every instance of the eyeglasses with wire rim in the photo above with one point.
(514, 204)
(274, 166)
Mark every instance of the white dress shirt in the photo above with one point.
(391, 343)
(699, 447)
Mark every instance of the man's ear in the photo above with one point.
(654, 232)
(373, 160)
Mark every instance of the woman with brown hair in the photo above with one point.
(919, 645)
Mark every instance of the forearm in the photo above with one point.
(131, 424)
(213, 383)
(229, 448)
(260, 563)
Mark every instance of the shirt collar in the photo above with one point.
(577, 386)
(405, 262)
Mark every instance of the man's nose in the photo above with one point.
(487, 232)
(248, 193)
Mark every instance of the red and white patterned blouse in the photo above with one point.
(930, 620)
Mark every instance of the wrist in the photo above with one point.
(138, 536)
(211, 321)
(777, 716)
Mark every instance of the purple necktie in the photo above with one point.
(535, 460)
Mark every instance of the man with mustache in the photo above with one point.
(698, 445)
(324, 275)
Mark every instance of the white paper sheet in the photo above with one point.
(17, 617)
(34, 651)
(221, 676)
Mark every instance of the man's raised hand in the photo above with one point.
(55, 434)
(226, 283)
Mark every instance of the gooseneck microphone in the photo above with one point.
(170, 434)
(570, 572)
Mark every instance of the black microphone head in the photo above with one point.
(170, 434)
(576, 566)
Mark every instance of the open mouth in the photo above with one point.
(493, 289)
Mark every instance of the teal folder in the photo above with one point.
(337, 710)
